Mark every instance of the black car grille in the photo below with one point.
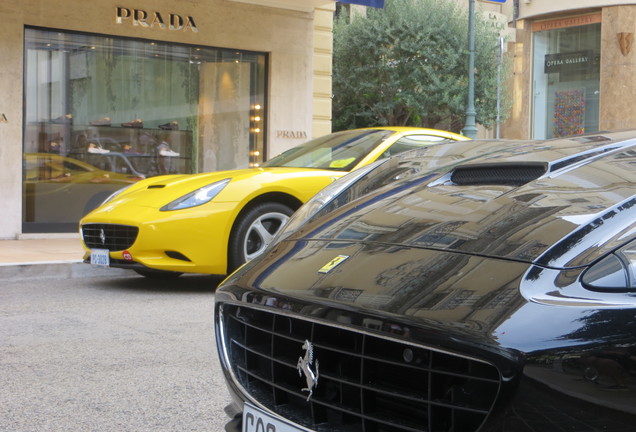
(365, 382)
(109, 236)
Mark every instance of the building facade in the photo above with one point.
(573, 67)
(95, 96)
(99, 95)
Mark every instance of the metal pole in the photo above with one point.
(470, 129)
(499, 63)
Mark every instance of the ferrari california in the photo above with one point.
(214, 222)
(486, 287)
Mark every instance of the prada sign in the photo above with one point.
(142, 18)
(290, 134)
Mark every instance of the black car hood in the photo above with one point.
(450, 256)
(577, 209)
(456, 297)
(489, 270)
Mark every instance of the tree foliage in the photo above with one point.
(407, 64)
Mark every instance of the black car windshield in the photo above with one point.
(340, 151)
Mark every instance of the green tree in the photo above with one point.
(407, 64)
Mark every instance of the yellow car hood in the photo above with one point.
(245, 183)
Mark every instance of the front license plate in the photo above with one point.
(100, 257)
(255, 420)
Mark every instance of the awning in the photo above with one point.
(371, 3)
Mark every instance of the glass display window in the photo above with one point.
(566, 80)
(127, 109)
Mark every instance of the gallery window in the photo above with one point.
(102, 112)
(566, 71)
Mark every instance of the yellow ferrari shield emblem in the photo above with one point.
(333, 264)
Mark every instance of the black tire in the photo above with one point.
(157, 274)
(254, 230)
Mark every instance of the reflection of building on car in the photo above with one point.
(484, 286)
(214, 222)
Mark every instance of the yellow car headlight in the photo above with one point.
(197, 197)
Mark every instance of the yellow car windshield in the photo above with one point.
(340, 151)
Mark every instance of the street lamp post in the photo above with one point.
(470, 128)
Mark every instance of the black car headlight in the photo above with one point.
(616, 272)
(197, 197)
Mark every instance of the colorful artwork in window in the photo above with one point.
(569, 113)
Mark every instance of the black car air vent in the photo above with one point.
(159, 186)
(506, 174)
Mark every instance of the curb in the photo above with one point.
(57, 270)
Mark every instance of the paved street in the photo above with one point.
(119, 353)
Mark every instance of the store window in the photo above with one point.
(103, 112)
(566, 70)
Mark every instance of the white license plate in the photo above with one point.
(255, 420)
(100, 257)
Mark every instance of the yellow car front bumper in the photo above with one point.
(192, 240)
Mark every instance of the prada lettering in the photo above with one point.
(142, 18)
(291, 134)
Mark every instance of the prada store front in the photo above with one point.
(97, 96)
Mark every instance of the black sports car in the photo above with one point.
(487, 286)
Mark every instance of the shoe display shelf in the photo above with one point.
(144, 152)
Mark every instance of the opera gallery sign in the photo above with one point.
(579, 61)
(142, 18)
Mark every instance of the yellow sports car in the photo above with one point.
(214, 222)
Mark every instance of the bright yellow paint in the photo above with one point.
(202, 233)
(333, 264)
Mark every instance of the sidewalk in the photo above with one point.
(40, 251)
(47, 258)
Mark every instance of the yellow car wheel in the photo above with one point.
(254, 231)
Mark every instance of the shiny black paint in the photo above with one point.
(585, 358)
(492, 271)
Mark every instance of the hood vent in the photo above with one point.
(505, 174)
(156, 186)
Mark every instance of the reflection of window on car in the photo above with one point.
(411, 142)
